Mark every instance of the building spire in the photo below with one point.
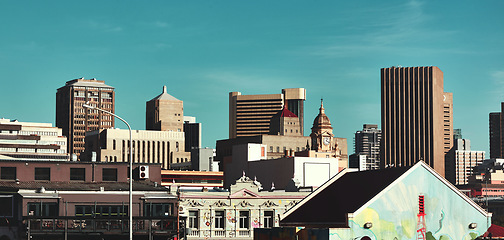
(164, 89)
(322, 106)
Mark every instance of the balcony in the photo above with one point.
(110, 225)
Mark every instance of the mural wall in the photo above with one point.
(396, 213)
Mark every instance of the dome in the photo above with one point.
(321, 121)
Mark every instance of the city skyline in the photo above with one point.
(203, 50)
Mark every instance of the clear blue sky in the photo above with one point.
(202, 50)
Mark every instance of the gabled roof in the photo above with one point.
(351, 192)
(344, 193)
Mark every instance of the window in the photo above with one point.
(244, 219)
(269, 219)
(78, 174)
(111, 210)
(101, 210)
(6, 206)
(193, 219)
(219, 219)
(109, 174)
(84, 210)
(8, 173)
(158, 209)
(43, 209)
(43, 174)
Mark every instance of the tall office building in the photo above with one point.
(367, 143)
(496, 134)
(165, 113)
(416, 117)
(74, 119)
(250, 115)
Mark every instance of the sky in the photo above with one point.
(202, 50)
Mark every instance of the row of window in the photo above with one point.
(44, 174)
(284, 149)
(219, 220)
(51, 209)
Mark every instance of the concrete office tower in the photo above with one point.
(413, 117)
(496, 134)
(250, 115)
(74, 119)
(464, 162)
(164, 113)
(367, 143)
(31, 141)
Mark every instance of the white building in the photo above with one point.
(31, 141)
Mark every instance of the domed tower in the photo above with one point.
(322, 132)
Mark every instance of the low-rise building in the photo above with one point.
(79, 200)
(235, 214)
(161, 147)
(413, 202)
(28, 141)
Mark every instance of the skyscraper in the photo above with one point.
(74, 119)
(416, 117)
(367, 142)
(250, 115)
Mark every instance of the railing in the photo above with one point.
(243, 233)
(117, 225)
(219, 234)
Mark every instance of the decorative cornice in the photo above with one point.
(268, 203)
(291, 204)
(220, 204)
(194, 203)
(245, 203)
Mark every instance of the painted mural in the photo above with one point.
(418, 206)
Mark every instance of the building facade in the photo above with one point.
(412, 202)
(74, 119)
(250, 115)
(164, 113)
(192, 131)
(162, 147)
(236, 213)
(31, 141)
(77, 200)
(416, 117)
(464, 162)
(367, 145)
(496, 134)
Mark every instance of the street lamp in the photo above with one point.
(130, 212)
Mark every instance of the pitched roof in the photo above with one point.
(286, 113)
(164, 96)
(345, 193)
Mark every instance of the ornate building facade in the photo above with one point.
(235, 213)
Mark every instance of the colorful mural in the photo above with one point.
(417, 206)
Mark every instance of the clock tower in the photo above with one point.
(322, 132)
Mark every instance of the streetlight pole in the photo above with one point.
(130, 212)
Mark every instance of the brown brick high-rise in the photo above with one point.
(74, 119)
(413, 106)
